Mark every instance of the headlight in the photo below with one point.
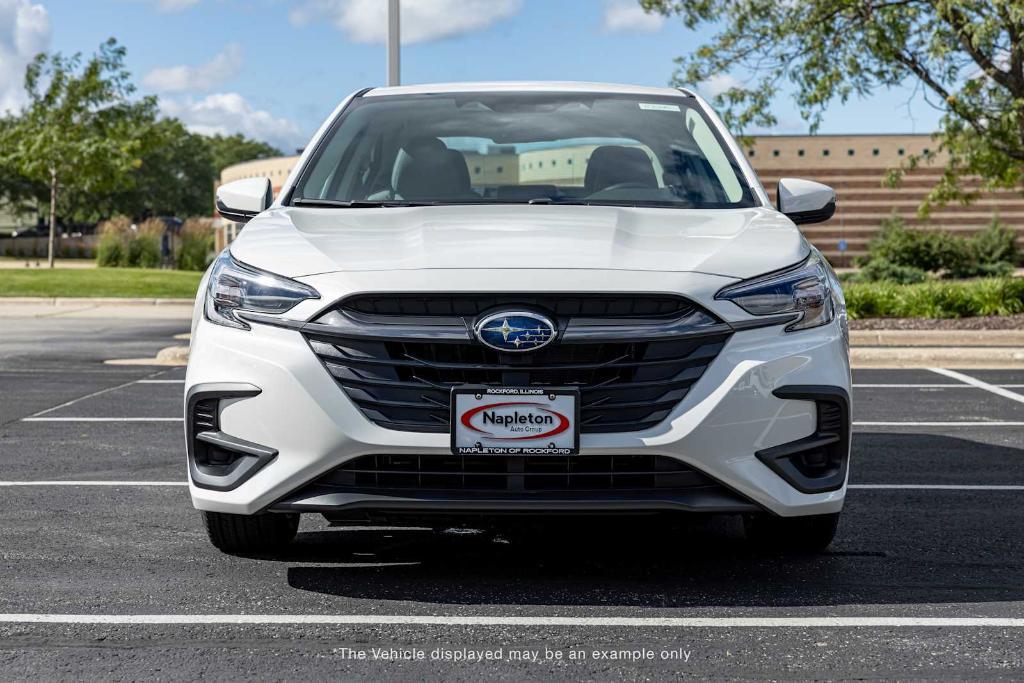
(237, 287)
(809, 290)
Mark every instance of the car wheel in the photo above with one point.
(250, 533)
(809, 534)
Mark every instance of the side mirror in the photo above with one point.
(805, 201)
(240, 200)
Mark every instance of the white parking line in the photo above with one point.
(93, 482)
(939, 424)
(974, 382)
(932, 386)
(938, 487)
(102, 419)
(434, 620)
(161, 381)
(82, 398)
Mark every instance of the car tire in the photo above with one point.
(799, 535)
(244, 534)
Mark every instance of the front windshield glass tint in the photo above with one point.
(470, 148)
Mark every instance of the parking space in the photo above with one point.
(95, 525)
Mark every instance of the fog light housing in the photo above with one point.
(815, 463)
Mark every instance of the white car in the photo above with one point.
(471, 301)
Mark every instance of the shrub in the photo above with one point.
(922, 249)
(883, 270)
(112, 250)
(995, 244)
(935, 299)
(976, 269)
(143, 251)
(195, 245)
(991, 252)
(126, 246)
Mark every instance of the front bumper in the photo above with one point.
(723, 427)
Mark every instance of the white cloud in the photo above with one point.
(174, 5)
(228, 113)
(365, 21)
(192, 78)
(716, 85)
(629, 16)
(24, 32)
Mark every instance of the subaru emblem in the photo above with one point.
(515, 331)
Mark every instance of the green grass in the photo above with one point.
(935, 298)
(99, 282)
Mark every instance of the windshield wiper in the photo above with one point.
(355, 203)
(558, 200)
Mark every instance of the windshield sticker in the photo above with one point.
(657, 106)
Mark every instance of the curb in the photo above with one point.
(171, 355)
(937, 338)
(974, 358)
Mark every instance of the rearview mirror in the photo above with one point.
(240, 200)
(805, 201)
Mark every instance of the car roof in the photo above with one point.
(529, 86)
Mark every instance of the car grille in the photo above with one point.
(559, 305)
(625, 385)
(514, 473)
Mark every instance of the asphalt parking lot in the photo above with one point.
(925, 578)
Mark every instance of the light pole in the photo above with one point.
(394, 47)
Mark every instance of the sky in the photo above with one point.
(273, 69)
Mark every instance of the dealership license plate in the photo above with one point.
(515, 421)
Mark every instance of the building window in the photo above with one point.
(750, 152)
(554, 162)
(900, 151)
(824, 152)
(476, 170)
(775, 152)
(874, 152)
(849, 152)
(925, 151)
(799, 152)
(500, 169)
(569, 161)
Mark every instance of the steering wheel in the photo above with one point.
(625, 186)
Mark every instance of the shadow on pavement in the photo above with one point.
(893, 547)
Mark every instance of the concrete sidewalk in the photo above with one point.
(35, 307)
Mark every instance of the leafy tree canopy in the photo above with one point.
(89, 143)
(966, 56)
(226, 150)
(80, 132)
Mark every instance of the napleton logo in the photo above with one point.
(496, 421)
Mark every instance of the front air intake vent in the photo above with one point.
(204, 415)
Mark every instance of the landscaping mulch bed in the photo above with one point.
(981, 322)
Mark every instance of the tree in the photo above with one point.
(174, 176)
(966, 56)
(81, 131)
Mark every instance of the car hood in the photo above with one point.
(737, 243)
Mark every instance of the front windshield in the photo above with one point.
(523, 147)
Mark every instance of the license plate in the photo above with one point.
(515, 421)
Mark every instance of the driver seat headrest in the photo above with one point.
(614, 164)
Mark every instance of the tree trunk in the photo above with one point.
(51, 247)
